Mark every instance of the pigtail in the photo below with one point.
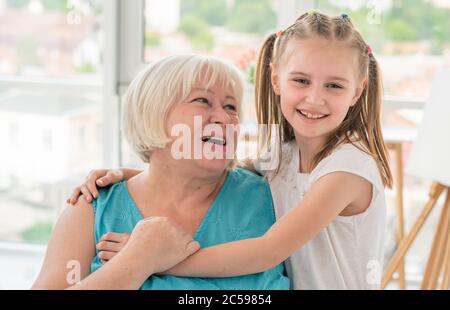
(264, 94)
(266, 100)
(371, 115)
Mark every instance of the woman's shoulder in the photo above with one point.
(247, 185)
(109, 195)
(245, 178)
(247, 190)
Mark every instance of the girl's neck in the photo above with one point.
(308, 149)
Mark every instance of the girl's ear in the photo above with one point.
(358, 92)
(274, 79)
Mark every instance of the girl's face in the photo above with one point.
(317, 81)
(206, 114)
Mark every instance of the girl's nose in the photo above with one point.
(314, 96)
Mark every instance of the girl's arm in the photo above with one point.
(327, 198)
(128, 173)
(100, 178)
(69, 254)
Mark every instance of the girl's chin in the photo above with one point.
(308, 134)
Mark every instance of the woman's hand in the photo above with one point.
(101, 178)
(156, 244)
(110, 244)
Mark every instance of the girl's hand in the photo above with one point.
(110, 244)
(101, 178)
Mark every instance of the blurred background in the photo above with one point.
(64, 65)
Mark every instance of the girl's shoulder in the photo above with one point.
(351, 158)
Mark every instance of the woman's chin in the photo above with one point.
(214, 165)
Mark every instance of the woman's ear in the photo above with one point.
(274, 79)
(358, 92)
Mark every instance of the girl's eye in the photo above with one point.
(334, 86)
(201, 100)
(302, 81)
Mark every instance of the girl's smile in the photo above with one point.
(310, 116)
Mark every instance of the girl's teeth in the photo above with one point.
(313, 116)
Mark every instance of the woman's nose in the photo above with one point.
(219, 115)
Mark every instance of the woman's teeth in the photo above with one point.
(214, 140)
(311, 116)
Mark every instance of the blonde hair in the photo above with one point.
(363, 120)
(160, 86)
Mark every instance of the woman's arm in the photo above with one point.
(327, 198)
(70, 251)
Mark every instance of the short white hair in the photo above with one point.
(164, 83)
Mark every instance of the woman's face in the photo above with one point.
(204, 128)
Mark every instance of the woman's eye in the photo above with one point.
(230, 107)
(333, 85)
(302, 81)
(201, 100)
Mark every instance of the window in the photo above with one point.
(14, 132)
(70, 46)
(47, 139)
(50, 91)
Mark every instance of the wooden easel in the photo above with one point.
(396, 146)
(439, 257)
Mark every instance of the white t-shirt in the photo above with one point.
(348, 253)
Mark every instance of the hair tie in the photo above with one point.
(344, 15)
(311, 12)
(369, 50)
(279, 33)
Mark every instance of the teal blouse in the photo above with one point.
(242, 209)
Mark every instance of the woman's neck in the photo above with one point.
(176, 189)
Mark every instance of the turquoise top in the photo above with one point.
(242, 209)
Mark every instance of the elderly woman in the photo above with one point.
(203, 196)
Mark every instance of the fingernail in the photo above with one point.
(100, 182)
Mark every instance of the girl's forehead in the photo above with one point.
(320, 56)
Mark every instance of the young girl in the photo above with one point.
(319, 83)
